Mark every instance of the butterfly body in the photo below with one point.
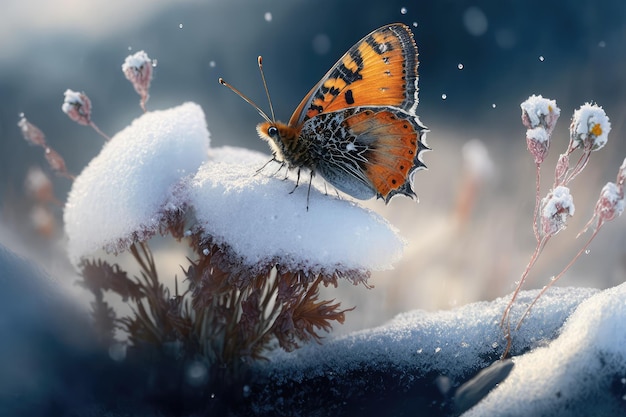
(357, 127)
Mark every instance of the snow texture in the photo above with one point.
(538, 134)
(72, 98)
(259, 218)
(120, 195)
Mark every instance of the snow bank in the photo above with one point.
(120, 195)
(583, 372)
(414, 362)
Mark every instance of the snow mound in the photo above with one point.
(120, 195)
(418, 360)
(264, 220)
(583, 372)
(447, 341)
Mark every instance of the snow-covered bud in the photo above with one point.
(610, 204)
(77, 106)
(538, 142)
(540, 112)
(557, 206)
(138, 70)
(57, 163)
(32, 134)
(539, 115)
(590, 128)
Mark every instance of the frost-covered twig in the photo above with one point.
(137, 69)
(588, 131)
(33, 135)
(609, 206)
(539, 115)
(77, 106)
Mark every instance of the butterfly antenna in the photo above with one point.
(267, 91)
(247, 100)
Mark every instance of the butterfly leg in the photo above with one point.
(282, 164)
(297, 182)
(309, 190)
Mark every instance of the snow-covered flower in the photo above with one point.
(557, 206)
(590, 128)
(137, 69)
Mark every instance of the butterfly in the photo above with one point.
(357, 127)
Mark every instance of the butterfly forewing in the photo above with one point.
(380, 70)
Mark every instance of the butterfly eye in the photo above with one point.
(272, 131)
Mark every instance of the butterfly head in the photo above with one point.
(280, 136)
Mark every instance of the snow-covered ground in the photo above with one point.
(569, 360)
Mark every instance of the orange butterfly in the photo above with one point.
(357, 127)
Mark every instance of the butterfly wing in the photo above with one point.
(379, 70)
(367, 152)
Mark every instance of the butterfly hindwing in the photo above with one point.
(367, 151)
(379, 70)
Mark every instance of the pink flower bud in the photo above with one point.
(538, 142)
(39, 186)
(77, 106)
(56, 161)
(610, 204)
(32, 134)
(138, 70)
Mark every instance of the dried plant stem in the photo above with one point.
(505, 322)
(100, 132)
(580, 164)
(537, 202)
(556, 278)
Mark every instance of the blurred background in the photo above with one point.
(470, 236)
